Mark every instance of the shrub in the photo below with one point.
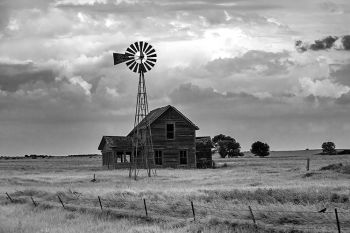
(260, 149)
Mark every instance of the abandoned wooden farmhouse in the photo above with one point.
(174, 142)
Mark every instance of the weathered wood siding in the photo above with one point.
(203, 155)
(185, 135)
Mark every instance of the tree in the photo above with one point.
(227, 146)
(260, 149)
(233, 149)
(328, 148)
(221, 137)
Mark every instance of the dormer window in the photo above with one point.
(170, 131)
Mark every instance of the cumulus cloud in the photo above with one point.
(81, 2)
(77, 80)
(255, 61)
(338, 43)
(322, 88)
(189, 93)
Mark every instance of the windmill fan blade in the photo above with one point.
(152, 60)
(145, 47)
(152, 55)
(148, 49)
(141, 46)
(120, 58)
(136, 68)
(150, 63)
(133, 48)
(128, 63)
(137, 46)
(147, 66)
(150, 52)
(131, 67)
(130, 51)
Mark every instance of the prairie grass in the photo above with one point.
(282, 194)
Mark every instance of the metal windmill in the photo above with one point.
(140, 57)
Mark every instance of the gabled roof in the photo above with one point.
(115, 142)
(158, 112)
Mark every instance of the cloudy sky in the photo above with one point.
(231, 66)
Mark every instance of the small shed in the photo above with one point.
(203, 152)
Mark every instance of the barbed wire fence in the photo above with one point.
(329, 221)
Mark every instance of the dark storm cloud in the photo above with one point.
(12, 76)
(339, 43)
(266, 63)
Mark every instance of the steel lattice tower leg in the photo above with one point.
(143, 152)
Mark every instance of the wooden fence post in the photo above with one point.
(193, 212)
(99, 200)
(144, 203)
(34, 203)
(251, 213)
(8, 196)
(61, 201)
(337, 218)
(308, 164)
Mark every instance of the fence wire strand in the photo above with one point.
(204, 211)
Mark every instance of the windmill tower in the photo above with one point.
(140, 57)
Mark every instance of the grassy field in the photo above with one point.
(284, 197)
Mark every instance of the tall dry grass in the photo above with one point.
(283, 196)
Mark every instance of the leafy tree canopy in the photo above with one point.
(260, 149)
(328, 148)
(227, 146)
(221, 137)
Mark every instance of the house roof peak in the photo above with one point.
(158, 112)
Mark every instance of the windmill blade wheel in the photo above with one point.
(142, 57)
